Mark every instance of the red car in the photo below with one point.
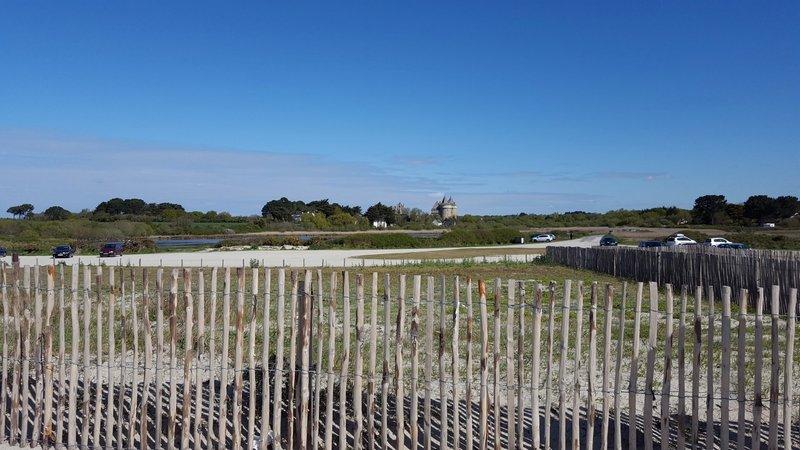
(112, 249)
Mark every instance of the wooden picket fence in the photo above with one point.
(696, 265)
(130, 357)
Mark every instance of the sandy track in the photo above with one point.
(272, 258)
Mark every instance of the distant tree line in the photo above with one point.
(757, 209)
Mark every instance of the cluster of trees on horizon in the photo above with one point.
(324, 214)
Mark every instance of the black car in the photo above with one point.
(63, 251)
(650, 244)
(734, 245)
(112, 249)
(3, 252)
(608, 241)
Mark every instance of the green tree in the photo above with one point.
(56, 213)
(787, 206)
(283, 209)
(709, 209)
(760, 208)
(379, 211)
(20, 210)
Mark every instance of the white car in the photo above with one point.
(543, 238)
(716, 241)
(678, 240)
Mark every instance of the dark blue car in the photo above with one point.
(63, 251)
(608, 241)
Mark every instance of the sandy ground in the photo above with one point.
(272, 258)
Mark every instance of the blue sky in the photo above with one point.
(507, 107)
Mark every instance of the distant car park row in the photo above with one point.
(679, 239)
(65, 251)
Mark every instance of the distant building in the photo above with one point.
(446, 209)
(400, 209)
(379, 224)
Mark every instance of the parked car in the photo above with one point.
(734, 245)
(518, 240)
(678, 240)
(649, 244)
(716, 241)
(3, 252)
(543, 238)
(63, 251)
(112, 249)
(608, 241)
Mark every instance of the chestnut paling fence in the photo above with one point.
(128, 357)
(695, 265)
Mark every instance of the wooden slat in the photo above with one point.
(48, 432)
(345, 362)
(535, 365)
(134, 402)
(7, 319)
(606, 388)
(428, 361)
(548, 398)
(98, 408)
(222, 424)
(237, 360)
(511, 395)
(775, 364)
(172, 438)
(251, 359)
(87, 315)
(470, 434)
(188, 358)
(62, 370)
(666, 384)
(443, 408)
(681, 437)
(331, 356)
(358, 381)
(37, 357)
(144, 415)
(385, 374)
(414, 341)
(562, 366)
(496, 365)
(649, 396)
(634, 369)
(123, 326)
(710, 373)
(373, 355)
(741, 380)
(618, 370)
(591, 412)
(788, 372)
(758, 404)
(277, 399)
(319, 339)
(28, 355)
(17, 365)
(399, 367)
(576, 374)
(696, 367)
(293, 344)
(112, 359)
(520, 368)
(213, 406)
(484, 414)
(455, 361)
(725, 385)
(200, 349)
(305, 359)
(266, 331)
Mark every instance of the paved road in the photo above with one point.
(273, 258)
